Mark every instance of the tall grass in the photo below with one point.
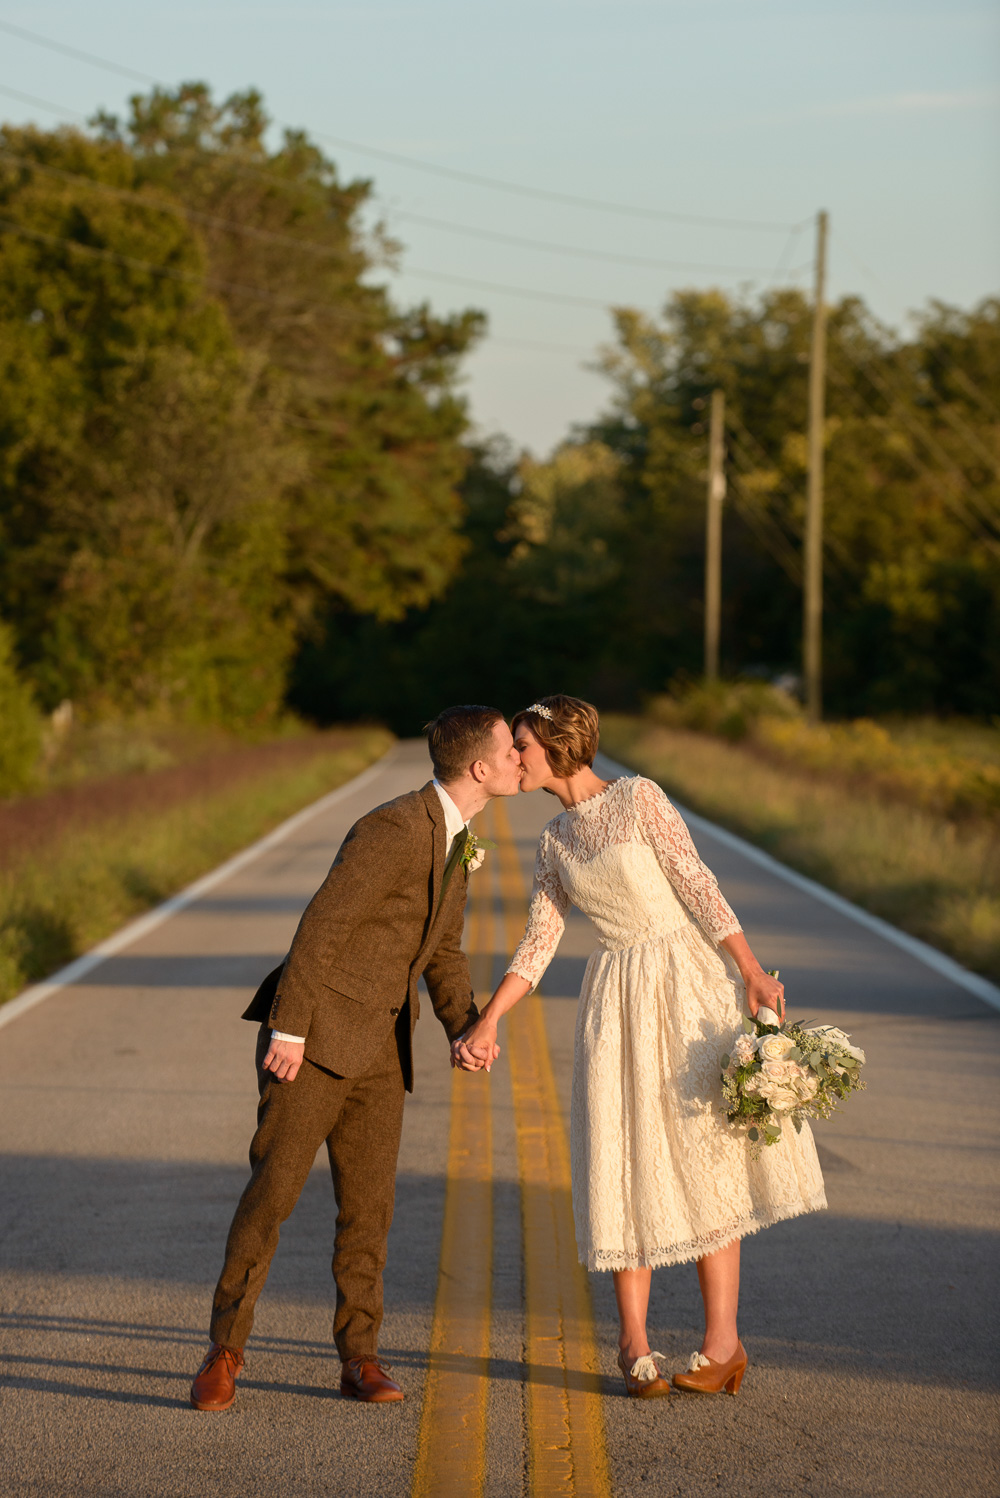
(934, 876)
(76, 885)
(948, 767)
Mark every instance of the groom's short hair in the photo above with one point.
(459, 736)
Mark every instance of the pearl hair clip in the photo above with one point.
(543, 712)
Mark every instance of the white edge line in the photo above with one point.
(948, 968)
(143, 924)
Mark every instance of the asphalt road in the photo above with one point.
(126, 1107)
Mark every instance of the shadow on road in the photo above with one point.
(884, 1298)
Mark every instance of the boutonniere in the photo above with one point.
(474, 852)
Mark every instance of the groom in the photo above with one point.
(334, 1051)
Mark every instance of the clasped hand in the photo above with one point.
(476, 1050)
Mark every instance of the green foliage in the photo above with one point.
(590, 567)
(209, 425)
(20, 723)
(912, 586)
(368, 390)
(731, 709)
(62, 896)
(956, 772)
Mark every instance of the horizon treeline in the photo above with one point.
(585, 573)
(234, 477)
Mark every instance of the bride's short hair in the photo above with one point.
(568, 731)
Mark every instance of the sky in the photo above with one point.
(758, 113)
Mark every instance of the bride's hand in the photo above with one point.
(765, 992)
(477, 1048)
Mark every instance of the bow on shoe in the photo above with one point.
(645, 1368)
(698, 1360)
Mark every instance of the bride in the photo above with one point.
(659, 1176)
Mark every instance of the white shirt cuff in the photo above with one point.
(295, 1039)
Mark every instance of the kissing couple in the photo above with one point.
(659, 1177)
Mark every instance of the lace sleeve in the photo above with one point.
(666, 832)
(546, 918)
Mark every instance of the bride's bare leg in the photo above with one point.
(632, 1295)
(719, 1277)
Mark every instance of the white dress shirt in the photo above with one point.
(453, 824)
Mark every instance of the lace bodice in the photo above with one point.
(625, 858)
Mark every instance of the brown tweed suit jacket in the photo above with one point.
(375, 925)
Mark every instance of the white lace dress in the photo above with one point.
(659, 1176)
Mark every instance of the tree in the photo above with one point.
(370, 390)
(142, 470)
(210, 425)
(912, 497)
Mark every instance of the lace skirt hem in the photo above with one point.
(684, 1253)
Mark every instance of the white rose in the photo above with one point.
(774, 1047)
(782, 1099)
(476, 860)
(777, 1071)
(805, 1085)
(743, 1050)
(856, 1052)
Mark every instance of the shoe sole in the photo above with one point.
(348, 1393)
(706, 1393)
(210, 1409)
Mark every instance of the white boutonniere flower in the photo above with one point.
(474, 852)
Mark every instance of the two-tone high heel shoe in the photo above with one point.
(644, 1380)
(705, 1377)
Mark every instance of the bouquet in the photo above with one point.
(779, 1071)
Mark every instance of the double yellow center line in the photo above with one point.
(564, 1436)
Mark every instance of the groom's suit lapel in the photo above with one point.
(439, 851)
(439, 858)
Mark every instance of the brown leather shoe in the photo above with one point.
(214, 1386)
(367, 1379)
(705, 1377)
(644, 1380)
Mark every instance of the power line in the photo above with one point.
(298, 242)
(421, 273)
(265, 296)
(476, 179)
(576, 251)
(135, 263)
(942, 483)
(77, 53)
(883, 384)
(22, 97)
(566, 299)
(177, 209)
(789, 523)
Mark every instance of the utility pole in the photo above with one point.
(713, 532)
(812, 622)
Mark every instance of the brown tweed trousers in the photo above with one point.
(390, 910)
